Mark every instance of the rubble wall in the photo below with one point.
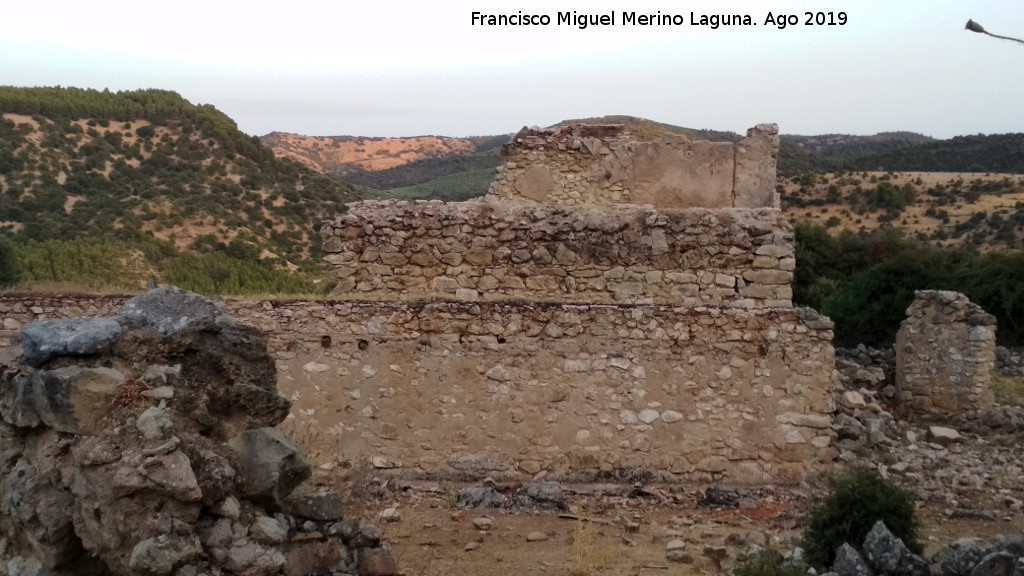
(469, 251)
(605, 165)
(450, 389)
(143, 444)
(945, 354)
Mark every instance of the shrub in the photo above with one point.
(858, 497)
(767, 562)
(8, 263)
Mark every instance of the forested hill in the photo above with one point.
(902, 152)
(1003, 153)
(150, 168)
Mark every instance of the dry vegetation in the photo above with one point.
(947, 208)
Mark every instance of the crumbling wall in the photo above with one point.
(605, 165)
(466, 390)
(144, 445)
(945, 354)
(738, 258)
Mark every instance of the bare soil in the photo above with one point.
(608, 532)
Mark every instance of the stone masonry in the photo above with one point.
(945, 354)
(605, 165)
(467, 390)
(469, 251)
(560, 326)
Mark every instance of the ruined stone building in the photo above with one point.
(614, 308)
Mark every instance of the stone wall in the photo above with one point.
(737, 258)
(605, 165)
(945, 354)
(449, 389)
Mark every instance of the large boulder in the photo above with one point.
(170, 312)
(849, 562)
(888, 555)
(270, 465)
(960, 558)
(322, 506)
(75, 399)
(46, 339)
(17, 404)
(998, 563)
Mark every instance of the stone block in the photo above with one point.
(270, 465)
(171, 312)
(46, 339)
(75, 399)
(321, 506)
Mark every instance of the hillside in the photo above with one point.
(984, 211)
(344, 155)
(83, 163)
(428, 170)
(154, 172)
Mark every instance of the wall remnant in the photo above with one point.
(945, 355)
(144, 445)
(605, 165)
(738, 258)
(563, 327)
(507, 389)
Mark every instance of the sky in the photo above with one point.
(386, 68)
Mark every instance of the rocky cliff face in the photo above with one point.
(144, 445)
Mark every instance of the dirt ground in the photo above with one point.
(608, 532)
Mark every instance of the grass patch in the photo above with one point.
(767, 562)
(1008, 389)
(587, 555)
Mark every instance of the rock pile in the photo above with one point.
(1010, 361)
(968, 465)
(532, 495)
(883, 554)
(144, 445)
(870, 368)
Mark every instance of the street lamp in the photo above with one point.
(975, 27)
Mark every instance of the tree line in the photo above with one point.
(864, 281)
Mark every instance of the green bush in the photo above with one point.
(9, 271)
(858, 498)
(767, 562)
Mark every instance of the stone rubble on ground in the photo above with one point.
(883, 554)
(969, 464)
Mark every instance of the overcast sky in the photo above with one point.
(385, 68)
